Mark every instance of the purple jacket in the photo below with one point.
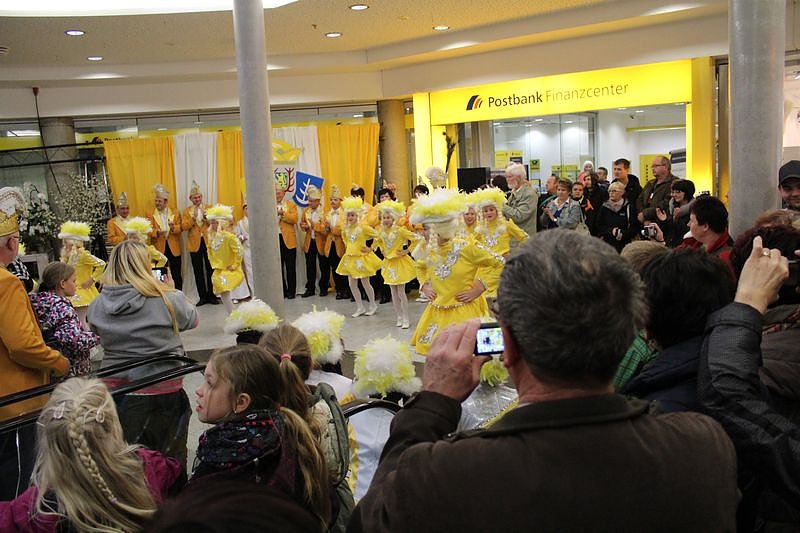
(62, 331)
(19, 515)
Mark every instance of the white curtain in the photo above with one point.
(306, 138)
(195, 160)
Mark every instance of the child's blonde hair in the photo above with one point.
(98, 478)
(251, 370)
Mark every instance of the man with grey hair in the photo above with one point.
(657, 192)
(573, 456)
(522, 200)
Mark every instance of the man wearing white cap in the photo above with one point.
(166, 236)
(25, 360)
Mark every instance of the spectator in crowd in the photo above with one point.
(87, 478)
(578, 194)
(616, 222)
(602, 177)
(61, 327)
(656, 192)
(765, 434)
(137, 317)
(596, 192)
(522, 201)
(683, 288)
(545, 199)
(18, 268)
(231, 506)
(588, 168)
(562, 211)
(708, 224)
(622, 174)
(778, 217)
(642, 350)
(789, 185)
(531, 466)
(25, 360)
(500, 182)
(255, 439)
(674, 222)
(317, 405)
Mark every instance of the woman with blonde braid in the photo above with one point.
(87, 478)
(88, 268)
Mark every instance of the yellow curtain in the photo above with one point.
(349, 155)
(230, 170)
(135, 166)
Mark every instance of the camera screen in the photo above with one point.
(489, 341)
(159, 274)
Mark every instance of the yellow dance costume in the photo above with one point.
(87, 267)
(224, 251)
(356, 262)
(453, 272)
(140, 228)
(496, 236)
(397, 268)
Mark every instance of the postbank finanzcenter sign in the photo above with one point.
(657, 83)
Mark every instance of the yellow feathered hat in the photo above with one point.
(441, 205)
(352, 203)
(254, 315)
(78, 231)
(12, 207)
(486, 197)
(393, 207)
(219, 212)
(323, 329)
(139, 225)
(385, 365)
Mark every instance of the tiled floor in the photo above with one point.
(357, 332)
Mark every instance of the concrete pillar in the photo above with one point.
(757, 39)
(393, 147)
(58, 131)
(251, 64)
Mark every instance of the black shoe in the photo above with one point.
(201, 302)
(307, 294)
(385, 299)
(323, 292)
(290, 297)
(214, 300)
(340, 296)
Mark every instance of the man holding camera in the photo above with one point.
(572, 456)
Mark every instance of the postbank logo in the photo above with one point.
(474, 102)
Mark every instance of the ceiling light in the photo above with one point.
(359, 7)
(333, 34)
(621, 108)
(681, 103)
(161, 129)
(198, 122)
(441, 28)
(94, 58)
(75, 33)
(639, 111)
(568, 121)
(358, 115)
(538, 119)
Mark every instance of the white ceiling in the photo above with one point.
(189, 47)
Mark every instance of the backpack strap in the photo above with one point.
(323, 391)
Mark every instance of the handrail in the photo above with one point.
(359, 406)
(189, 367)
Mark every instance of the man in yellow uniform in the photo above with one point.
(116, 226)
(334, 244)
(25, 360)
(287, 218)
(166, 236)
(313, 223)
(194, 221)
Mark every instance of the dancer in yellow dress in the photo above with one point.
(88, 268)
(397, 267)
(225, 253)
(359, 261)
(494, 231)
(448, 267)
(139, 229)
(470, 217)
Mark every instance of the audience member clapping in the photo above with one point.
(87, 478)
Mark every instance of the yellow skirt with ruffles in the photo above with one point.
(437, 317)
(84, 297)
(359, 266)
(224, 280)
(398, 270)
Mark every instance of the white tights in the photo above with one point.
(353, 282)
(227, 301)
(400, 301)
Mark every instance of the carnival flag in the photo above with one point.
(301, 190)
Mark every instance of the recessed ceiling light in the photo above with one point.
(538, 119)
(198, 122)
(94, 58)
(568, 121)
(621, 108)
(358, 115)
(441, 27)
(75, 33)
(333, 34)
(161, 129)
(359, 7)
(639, 111)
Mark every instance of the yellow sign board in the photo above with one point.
(657, 83)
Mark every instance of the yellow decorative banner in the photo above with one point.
(642, 85)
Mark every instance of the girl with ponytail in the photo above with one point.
(256, 437)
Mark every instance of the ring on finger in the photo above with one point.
(765, 253)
